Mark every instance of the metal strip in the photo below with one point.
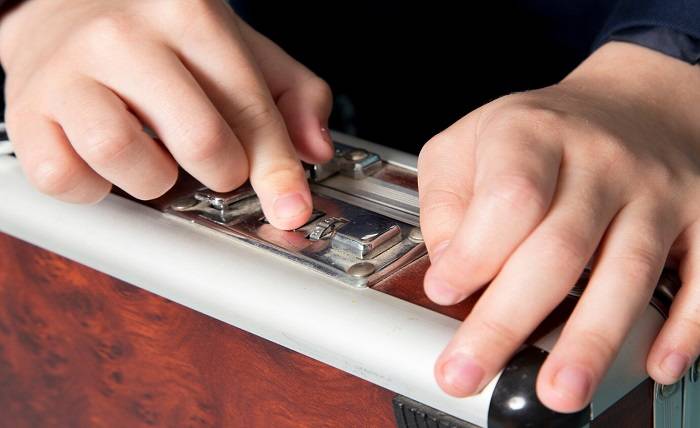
(668, 405)
(378, 191)
(691, 397)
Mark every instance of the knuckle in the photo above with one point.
(691, 325)
(598, 343)
(434, 150)
(440, 200)
(185, 11)
(499, 332)
(686, 318)
(53, 178)
(255, 115)
(278, 173)
(106, 147)
(320, 88)
(435, 143)
(518, 191)
(568, 245)
(521, 116)
(108, 31)
(641, 264)
(206, 141)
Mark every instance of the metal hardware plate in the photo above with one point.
(357, 238)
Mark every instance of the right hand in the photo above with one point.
(85, 76)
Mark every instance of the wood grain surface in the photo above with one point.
(81, 349)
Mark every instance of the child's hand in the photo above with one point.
(84, 76)
(521, 192)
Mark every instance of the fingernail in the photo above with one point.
(326, 135)
(675, 364)
(462, 374)
(289, 206)
(438, 251)
(441, 292)
(573, 381)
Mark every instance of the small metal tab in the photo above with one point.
(220, 207)
(222, 201)
(348, 161)
(325, 228)
(366, 236)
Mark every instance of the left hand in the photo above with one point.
(523, 192)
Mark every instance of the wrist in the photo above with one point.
(627, 73)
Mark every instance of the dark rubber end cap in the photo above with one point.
(515, 404)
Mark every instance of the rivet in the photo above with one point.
(415, 235)
(361, 270)
(183, 203)
(356, 155)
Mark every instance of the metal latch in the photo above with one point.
(356, 237)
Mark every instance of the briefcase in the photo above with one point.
(192, 310)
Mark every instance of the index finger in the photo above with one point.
(236, 86)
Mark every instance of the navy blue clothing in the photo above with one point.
(402, 72)
(669, 26)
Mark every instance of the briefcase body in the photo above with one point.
(192, 310)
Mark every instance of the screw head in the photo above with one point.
(361, 270)
(415, 235)
(356, 155)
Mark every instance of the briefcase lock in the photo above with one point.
(363, 227)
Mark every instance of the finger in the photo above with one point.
(303, 98)
(445, 174)
(166, 97)
(516, 174)
(245, 102)
(678, 343)
(534, 280)
(50, 162)
(112, 141)
(630, 261)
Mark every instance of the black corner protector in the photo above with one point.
(412, 414)
(514, 402)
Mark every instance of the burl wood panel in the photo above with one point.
(81, 349)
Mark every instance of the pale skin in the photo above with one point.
(516, 197)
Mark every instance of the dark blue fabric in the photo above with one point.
(668, 26)
(403, 71)
(673, 43)
(680, 15)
